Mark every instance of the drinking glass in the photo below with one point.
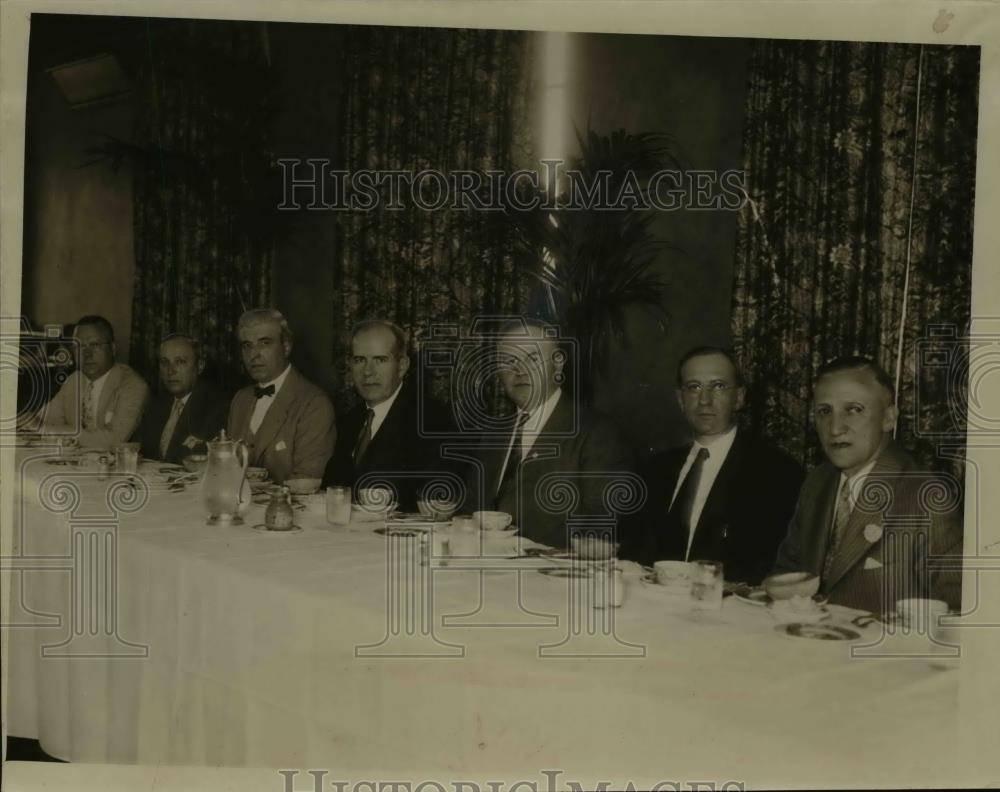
(127, 458)
(706, 585)
(338, 505)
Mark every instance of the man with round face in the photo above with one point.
(102, 402)
(727, 495)
(287, 422)
(549, 440)
(868, 488)
(188, 411)
(391, 437)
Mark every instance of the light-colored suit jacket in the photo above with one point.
(904, 537)
(297, 435)
(119, 409)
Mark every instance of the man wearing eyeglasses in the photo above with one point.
(102, 400)
(726, 496)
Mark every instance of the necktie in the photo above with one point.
(514, 458)
(88, 405)
(258, 392)
(679, 516)
(364, 438)
(170, 426)
(840, 521)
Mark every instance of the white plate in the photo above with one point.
(261, 528)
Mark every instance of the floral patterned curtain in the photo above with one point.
(442, 100)
(202, 195)
(860, 162)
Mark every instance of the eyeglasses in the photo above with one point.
(714, 388)
(93, 346)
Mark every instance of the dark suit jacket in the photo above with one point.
(404, 453)
(297, 435)
(203, 417)
(900, 541)
(744, 518)
(585, 453)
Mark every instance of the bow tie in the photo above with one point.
(259, 392)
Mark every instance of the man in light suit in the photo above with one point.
(286, 421)
(102, 400)
(189, 411)
(549, 439)
(869, 521)
(728, 495)
(391, 434)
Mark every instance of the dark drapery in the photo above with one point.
(860, 163)
(203, 107)
(442, 100)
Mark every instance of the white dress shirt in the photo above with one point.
(95, 396)
(381, 409)
(532, 427)
(718, 449)
(264, 402)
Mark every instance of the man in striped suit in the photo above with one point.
(873, 525)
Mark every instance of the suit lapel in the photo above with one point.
(274, 419)
(713, 516)
(853, 545)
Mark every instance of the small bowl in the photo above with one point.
(435, 509)
(255, 473)
(375, 498)
(492, 520)
(303, 486)
(593, 549)
(195, 463)
(791, 584)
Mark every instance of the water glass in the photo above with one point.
(126, 458)
(706, 585)
(338, 505)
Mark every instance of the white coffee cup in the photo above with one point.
(674, 575)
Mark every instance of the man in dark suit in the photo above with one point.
(188, 412)
(869, 521)
(549, 447)
(287, 422)
(727, 496)
(389, 437)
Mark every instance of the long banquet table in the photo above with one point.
(221, 645)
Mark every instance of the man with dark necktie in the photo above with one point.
(726, 496)
(189, 411)
(551, 438)
(389, 436)
(287, 422)
(872, 524)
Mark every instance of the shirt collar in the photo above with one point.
(382, 408)
(99, 382)
(278, 381)
(718, 447)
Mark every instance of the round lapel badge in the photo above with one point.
(873, 533)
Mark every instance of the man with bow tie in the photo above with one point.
(725, 496)
(287, 422)
(102, 402)
(389, 437)
(552, 444)
(873, 525)
(189, 411)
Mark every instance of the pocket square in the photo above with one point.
(280, 446)
(108, 416)
(872, 563)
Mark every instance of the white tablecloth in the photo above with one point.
(234, 647)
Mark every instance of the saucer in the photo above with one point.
(261, 528)
(361, 514)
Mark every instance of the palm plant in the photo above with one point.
(596, 263)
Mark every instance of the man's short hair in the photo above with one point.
(700, 351)
(191, 340)
(95, 320)
(398, 333)
(258, 315)
(855, 362)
